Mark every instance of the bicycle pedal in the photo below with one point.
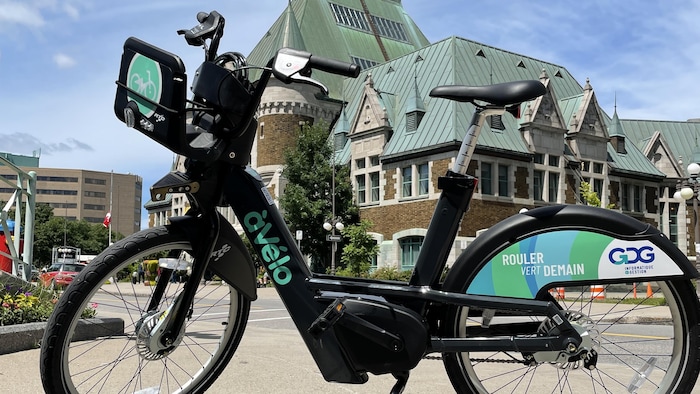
(174, 182)
(327, 319)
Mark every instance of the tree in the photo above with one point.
(588, 195)
(42, 212)
(307, 197)
(90, 238)
(360, 249)
(51, 231)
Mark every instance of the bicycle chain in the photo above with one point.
(479, 360)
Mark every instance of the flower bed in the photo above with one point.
(22, 302)
(24, 309)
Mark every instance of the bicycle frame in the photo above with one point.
(306, 295)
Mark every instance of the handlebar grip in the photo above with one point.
(334, 66)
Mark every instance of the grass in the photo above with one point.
(654, 301)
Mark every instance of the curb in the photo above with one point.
(19, 337)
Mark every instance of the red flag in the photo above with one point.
(108, 219)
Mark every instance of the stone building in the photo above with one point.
(397, 140)
(400, 140)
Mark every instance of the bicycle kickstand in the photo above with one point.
(401, 380)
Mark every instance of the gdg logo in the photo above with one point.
(619, 256)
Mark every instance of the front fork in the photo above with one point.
(203, 236)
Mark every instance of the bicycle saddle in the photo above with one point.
(502, 94)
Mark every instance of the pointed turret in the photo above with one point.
(617, 134)
(342, 129)
(289, 35)
(415, 109)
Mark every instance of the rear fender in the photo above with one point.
(565, 245)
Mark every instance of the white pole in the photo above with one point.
(111, 185)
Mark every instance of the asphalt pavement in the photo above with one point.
(271, 358)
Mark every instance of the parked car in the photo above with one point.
(60, 275)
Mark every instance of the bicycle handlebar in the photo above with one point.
(334, 66)
(225, 101)
(210, 27)
(292, 65)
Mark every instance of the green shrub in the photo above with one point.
(391, 273)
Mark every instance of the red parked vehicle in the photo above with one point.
(65, 266)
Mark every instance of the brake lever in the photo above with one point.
(210, 26)
(289, 68)
(310, 81)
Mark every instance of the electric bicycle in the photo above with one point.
(515, 312)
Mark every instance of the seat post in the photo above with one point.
(466, 150)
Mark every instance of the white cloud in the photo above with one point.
(71, 11)
(19, 13)
(63, 61)
(21, 143)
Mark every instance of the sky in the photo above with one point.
(59, 60)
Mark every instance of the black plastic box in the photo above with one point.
(154, 81)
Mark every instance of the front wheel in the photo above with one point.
(97, 338)
(646, 339)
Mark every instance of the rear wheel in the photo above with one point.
(97, 339)
(643, 342)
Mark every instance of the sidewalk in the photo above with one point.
(271, 360)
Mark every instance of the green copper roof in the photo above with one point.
(451, 61)
(632, 163)
(615, 128)
(414, 102)
(289, 36)
(403, 82)
(681, 137)
(569, 106)
(313, 25)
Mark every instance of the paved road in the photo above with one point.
(271, 358)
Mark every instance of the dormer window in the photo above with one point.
(618, 142)
(496, 122)
(413, 120)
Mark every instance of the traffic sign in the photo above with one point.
(334, 238)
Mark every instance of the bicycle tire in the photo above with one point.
(113, 361)
(627, 345)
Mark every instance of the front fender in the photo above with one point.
(230, 260)
(565, 244)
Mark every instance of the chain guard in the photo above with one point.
(583, 324)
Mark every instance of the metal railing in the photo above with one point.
(23, 196)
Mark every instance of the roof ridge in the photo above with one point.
(505, 51)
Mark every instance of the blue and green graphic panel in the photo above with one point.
(525, 267)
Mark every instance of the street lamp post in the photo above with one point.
(332, 225)
(690, 189)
